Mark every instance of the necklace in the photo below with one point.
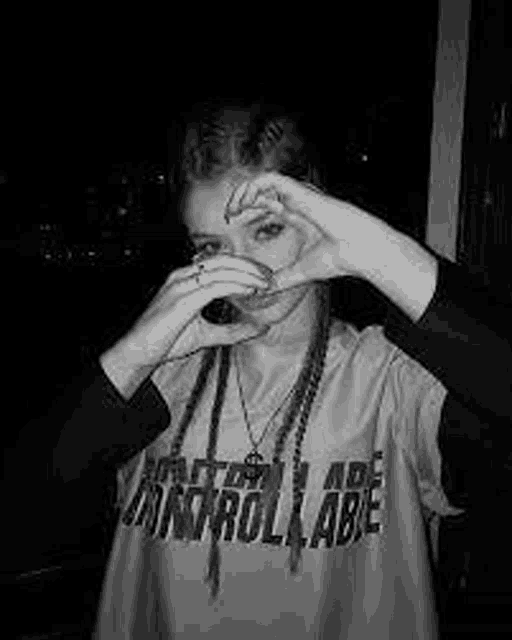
(254, 459)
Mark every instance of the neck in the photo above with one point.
(291, 336)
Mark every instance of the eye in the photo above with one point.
(273, 229)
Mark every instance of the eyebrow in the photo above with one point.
(251, 223)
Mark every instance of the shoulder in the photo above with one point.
(368, 345)
(406, 377)
(371, 350)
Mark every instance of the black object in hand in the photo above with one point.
(221, 311)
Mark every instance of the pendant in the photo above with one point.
(254, 469)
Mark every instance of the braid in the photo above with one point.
(195, 397)
(207, 365)
(296, 522)
(298, 399)
(307, 388)
(213, 576)
(256, 137)
(272, 484)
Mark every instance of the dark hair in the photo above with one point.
(251, 139)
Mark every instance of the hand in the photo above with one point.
(335, 230)
(172, 326)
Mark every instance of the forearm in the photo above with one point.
(399, 268)
(463, 338)
(445, 317)
(123, 374)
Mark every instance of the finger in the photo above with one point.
(277, 186)
(288, 278)
(278, 194)
(257, 193)
(307, 269)
(244, 195)
(268, 199)
(229, 277)
(223, 260)
(233, 333)
(229, 290)
(261, 205)
(233, 204)
(303, 269)
(302, 218)
(240, 264)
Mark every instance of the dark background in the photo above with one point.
(73, 122)
(88, 234)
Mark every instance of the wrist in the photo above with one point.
(359, 234)
(121, 369)
(400, 268)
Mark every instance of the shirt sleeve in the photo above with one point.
(463, 338)
(101, 430)
(421, 398)
(60, 475)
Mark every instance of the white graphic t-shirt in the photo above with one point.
(371, 469)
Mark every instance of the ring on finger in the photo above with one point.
(201, 269)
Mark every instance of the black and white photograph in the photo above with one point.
(257, 322)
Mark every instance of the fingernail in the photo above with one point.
(266, 272)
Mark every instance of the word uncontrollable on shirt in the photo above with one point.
(344, 510)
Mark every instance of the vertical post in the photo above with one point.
(485, 225)
(447, 126)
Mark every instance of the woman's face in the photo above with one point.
(257, 234)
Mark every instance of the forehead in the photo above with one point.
(205, 206)
(206, 202)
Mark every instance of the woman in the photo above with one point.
(275, 451)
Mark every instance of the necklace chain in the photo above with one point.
(245, 410)
(254, 456)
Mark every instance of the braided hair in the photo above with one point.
(254, 139)
(301, 405)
